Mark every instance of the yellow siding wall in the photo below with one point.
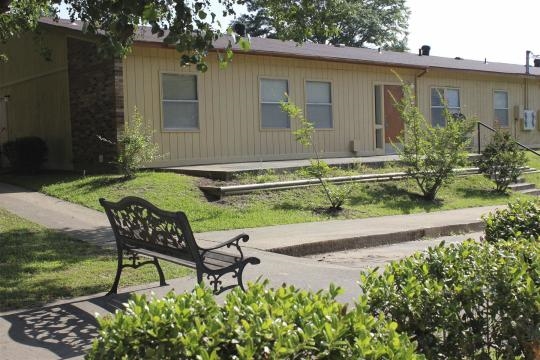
(39, 96)
(476, 96)
(229, 115)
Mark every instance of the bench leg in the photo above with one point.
(199, 277)
(114, 288)
(240, 279)
(160, 272)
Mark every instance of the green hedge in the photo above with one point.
(261, 323)
(468, 301)
(520, 220)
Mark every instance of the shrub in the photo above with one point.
(520, 220)
(502, 160)
(27, 154)
(465, 301)
(135, 146)
(430, 154)
(260, 323)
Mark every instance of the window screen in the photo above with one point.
(272, 93)
(319, 104)
(441, 97)
(179, 102)
(500, 103)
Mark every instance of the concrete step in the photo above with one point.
(521, 186)
(534, 192)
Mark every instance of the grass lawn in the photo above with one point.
(534, 162)
(264, 176)
(38, 266)
(179, 192)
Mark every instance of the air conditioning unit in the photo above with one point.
(529, 120)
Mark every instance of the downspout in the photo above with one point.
(418, 76)
(528, 54)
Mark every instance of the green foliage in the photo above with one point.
(336, 194)
(26, 155)
(502, 160)
(431, 153)
(520, 220)
(261, 323)
(19, 16)
(466, 301)
(136, 146)
(190, 26)
(350, 22)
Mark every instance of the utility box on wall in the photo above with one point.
(529, 120)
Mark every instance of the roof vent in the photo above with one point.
(239, 28)
(425, 50)
(536, 62)
(458, 58)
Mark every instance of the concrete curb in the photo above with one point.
(360, 242)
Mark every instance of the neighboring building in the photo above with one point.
(232, 114)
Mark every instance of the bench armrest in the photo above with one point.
(234, 242)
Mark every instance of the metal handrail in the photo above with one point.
(479, 123)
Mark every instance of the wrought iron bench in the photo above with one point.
(140, 228)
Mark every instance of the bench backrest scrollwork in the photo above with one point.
(138, 223)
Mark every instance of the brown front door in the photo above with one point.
(392, 120)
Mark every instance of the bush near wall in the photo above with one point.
(520, 220)
(26, 155)
(261, 323)
(467, 301)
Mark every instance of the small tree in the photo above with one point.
(431, 153)
(502, 160)
(318, 168)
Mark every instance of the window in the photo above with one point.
(272, 92)
(441, 97)
(319, 104)
(179, 102)
(500, 103)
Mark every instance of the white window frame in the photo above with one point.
(507, 109)
(330, 104)
(261, 103)
(196, 101)
(378, 90)
(444, 97)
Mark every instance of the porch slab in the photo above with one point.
(225, 171)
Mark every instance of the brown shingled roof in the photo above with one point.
(262, 46)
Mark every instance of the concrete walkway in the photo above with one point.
(65, 329)
(225, 171)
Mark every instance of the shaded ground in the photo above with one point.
(382, 255)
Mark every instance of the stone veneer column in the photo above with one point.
(96, 105)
